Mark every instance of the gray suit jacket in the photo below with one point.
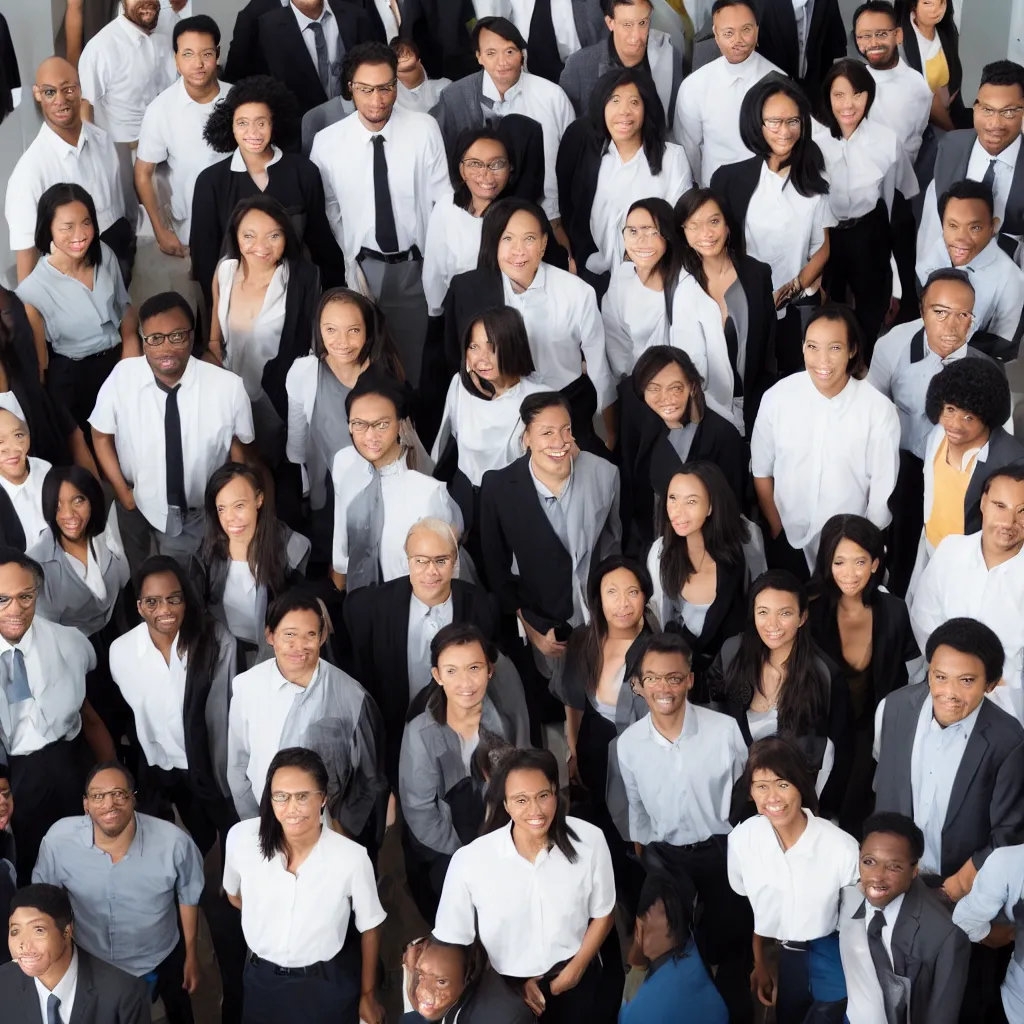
(104, 995)
(321, 117)
(986, 805)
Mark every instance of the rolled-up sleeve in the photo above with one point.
(188, 866)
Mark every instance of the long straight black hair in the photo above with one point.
(864, 534)
(653, 130)
(379, 349)
(193, 629)
(671, 263)
(271, 835)
(686, 206)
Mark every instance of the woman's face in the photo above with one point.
(852, 567)
(343, 331)
(238, 508)
(777, 799)
(481, 356)
(73, 511)
(624, 114)
(531, 800)
(485, 169)
(549, 438)
(777, 617)
(929, 12)
(297, 801)
(642, 239)
(463, 673)
(72, 230)
(780, 124)
(373, 424)
(706, 230)
(827, 355)
(622, 600)
(253, 126)
(296, 640)
(260, 239)
(848, 106)
(687, 504)
(521, 247)
(668, 394)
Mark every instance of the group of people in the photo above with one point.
(575, 437)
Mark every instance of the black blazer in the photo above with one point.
(735, 184)
(576, 170)
(1003, 450)
(438, 29)
(294, 182)
(297, 333)
(755, 278)
(777, 41)
(950, 39)
(283, 51)
(986, 804)
(104, 995)
(244, 55)
(10, 77)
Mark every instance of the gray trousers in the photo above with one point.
(398, 289)
(141, 539)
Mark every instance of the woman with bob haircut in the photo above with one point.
(791, 864)
(546, 946)
(317, 978)
(665, 422)
(866, 165)
(777, 202)
(615, 155)
(76, 301)
(257, 123)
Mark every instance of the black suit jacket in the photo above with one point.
(734, 184)
(1003, 450)
(244, 56)
(105, 995)
(986, 804)
(284, 54)
(777, 40)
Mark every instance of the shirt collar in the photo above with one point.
(63, 989)
(426, 611)
(891, 911)
(743, 71)
(88, 834)
(144, 644)
(490, 90)
(304, 21)
(542, 488)
(62, 147)
(183, 381)
(25, 643)
(279, 681)
(1008, 155)
(989, 255)
(688, 732)
(538, 284)
(132, 31)
(238, 164)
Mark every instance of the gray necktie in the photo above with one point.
(15, 678)
(891, 986)
(52, 1006)
(365, 523)
(324, 69)
(990, 175)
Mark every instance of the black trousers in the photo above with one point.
(904, 249)
(327, 994)
(907, 507)
(47, 785)
(204, 818)
(577, 1005)
(724, 923)
(75, 383)
(170, 976)
(982, 1003)
(780, 554)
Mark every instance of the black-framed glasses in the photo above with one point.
(174, 337)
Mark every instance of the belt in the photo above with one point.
(710, 841)
(852, 222)
(313, 970)
(92, 355)
(409, 255)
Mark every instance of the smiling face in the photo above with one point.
(438, 980)
(643, 242)
(431, 565)
(852, 567)
(144, 13)
(102, 806)
(687, 504)
(72, 230)
(299, 815)
(665, 680)
(622, 601)
(14, 446)
(928, 13)
(827, 355)
(167, 360)
(947, 309)
(996, 132)
(957, 684)
(73, 511)
(500, 58)
(887, 867)
(668, 393)
(848, 105)
(778, 117)
(878, 39)
(238, 508)
(196, 59)
(378, 441)
(463, 673)
(777, 799)
(36, 943)
(549, 438)
(530, 800)
(630, 25)
(260, 240)
(162, 604)
(481, 172)
(521, 248)
(967, 227)
(735, 31)
(20, 585)
(624, 114)
(777, 618)
(253, 125)
(58, 92)
(343, 331)
(963, 429)
(296, 642)
(1002, 515)
(706, 230)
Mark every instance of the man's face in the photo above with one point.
(947, 308)
(35, 941)
(1002, 515)
(967, 227)
(196, 58)
(878, 39)
(963, 428)
(144, 13)
(500, 58)
(431, 566)
(162, 603)
(109, 802)
(887, 868)
(957, 684)
(59, 94)
(665, 680)
(167, 342)
(998, 111)
(17, 601)
(6, 803)
(374, 91)
(735, 31)
(438, 981)
(630, 26)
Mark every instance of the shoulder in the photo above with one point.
(164, 831)
(835, 837)
(633, 737)
(1002, 724)
(748, 833)
(595, 466)
(910, 696)
(12, 977)
(416, 729)
(250, 680)
(577, 62)
(63, 637)
(590, 835)
(715, 722)
(302, 371)
(242, 839)
(342, 850)
(64, 829)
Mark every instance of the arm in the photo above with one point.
(880, 372)
(106, 455)
(949, 978)
(926, 610)
(591, 334)
(370, 1010)
(39, 338)
(884, 460)
(74, 34)
(762, 981)
(246, 804)
(146, 190)
(570, 975)
(990, 893)
(618, 344)
(131, 346)
(96, 735)
(26, 259)
(189, 929)
(207, 230)
(640, 829)
(81, 454)
(688, 127)
(216, 346)
(764, 487)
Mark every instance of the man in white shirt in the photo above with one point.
(969, 241)
(383, 171)
(707, 114)
(66, 149)
(161, 426)
(415, 90)
(172, 150)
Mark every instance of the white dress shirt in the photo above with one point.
(634, 317)
(122, 70)
(489, 433)
(49, 160)
(554, 900)
(520, 13)
(425, 622)
(301, 918)
(783, 228)
(794, 893)
(424, 97)
(452, 247)
(408, 496)
(56, 661)
(545, 102)
(301, 387)
(417, 179)
(64, 990)
(707, 120)
(826, 455)
(330, 29)
(155, 691)
(27, 499)
(679, 791)
(213, 408)
(903, 102)
(564, 327)
(172, 134)
(866, 1004)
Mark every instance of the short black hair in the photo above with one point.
(51, 900)
(468, 138)
(969, 636)
(165, 302)
(374, 381)
(294, 600)
(1014, 472)
(105, 766)
(506, 331)
(400, 43)
(11, 555)
(721, 5)
(271, 834)
(1003, 73)
(608, 6)
(284, 109)
(785, 760)
(977, 386)
(495, 220)
(460, 634)
(533, 405)
(968, 189)
(947, 274)
(895, 824)
(658, 643)
(84, 482)
(659, 887)
(275, 211)
(839, 312)
(857, 74)
(199, 23)
(500, 27)
(371, 52)
(876, 7)
(46, 209)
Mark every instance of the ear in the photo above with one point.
(803, 618)
(268, 635)
(996, 221)
(874, 566)
(436, 676)
(609, 22)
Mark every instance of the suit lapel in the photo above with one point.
(974, 754)
(725, 593)
(84, 1009)
(904, 933)
(294, 46)
(1013, 218)
(785, 20)
(528, 508)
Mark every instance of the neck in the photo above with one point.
(302, 844)
(519, 287)
(775, 162)
(630, 634)
(717, 265)
(238, 547)
(528, 843)
(628, 62)
(257, 275)
(53, 977)
(206, 93)
(411, 79)
(554, 482)
(376, 127)
(70, 134)
(303, 678)
(135, 24)
(169, 381)
(851, 602)
(347, 373)
(116, 845)
(163, 643)
(439, 598)
(16, 478)
(958, 451)
(389, 458)
(996, 556)
(846, 132)
(628, 148)
(889, 64)
(79, 548)
(789, 833)
(695, 548)
(670, 726)
(928, 31)
(478, 207)
(66, 264)
(780, 656)
(651, 277)
(502, 384)
(464, 719)
(511, 85)
(833, 390)
(256, 163)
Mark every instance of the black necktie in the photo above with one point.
(384, 213)
(323, 60)
(172, 448)
(52, 1006)
(990, 175)
(894, 1013)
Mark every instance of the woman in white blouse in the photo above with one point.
(866, 164)
(537, 888)
(480, 171)
(379, 492)
(615, 155)
(791, 865)
(21, 484)
(777, 201)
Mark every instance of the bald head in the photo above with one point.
(59, 95)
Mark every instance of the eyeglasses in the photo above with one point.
(943, 313)
(422, 561)
(280, 797)
(368, 90)
(24, 599)
(173, 600)
(774, 124)
(1006, 113)
(119, 796)
(881, 34)
(631, 234)
(361, 426)
(175, 338)
(478, 166)
(672, 389)
(672, 678)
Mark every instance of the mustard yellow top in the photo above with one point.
(948, 493)
(936, 71)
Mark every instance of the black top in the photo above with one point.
(490, 1002)
(10, 77)
(949, 37)
(577, 169)
(439, 30)
(778, 41)
(297, 333)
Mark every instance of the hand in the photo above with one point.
(952, 889)
(572, 766)
(411, 955)
(190, 972)
(763, 985)
(533, 996)
(127, 501)
(892, 312)
(545, 642)
(775, 532)
(169, 242)
(568, 977)
(370, 1010)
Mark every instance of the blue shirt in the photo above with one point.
(678, 990)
